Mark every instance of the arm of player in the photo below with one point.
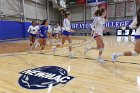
(94, 23)
(37, 29)
(133, 24)
(66, 25)
(29, 29)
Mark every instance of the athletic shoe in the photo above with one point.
(100, 59)
(114, 57)
(42, 52)
(70, 55)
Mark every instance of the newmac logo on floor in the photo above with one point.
(43, 77)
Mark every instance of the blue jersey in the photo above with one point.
(43, 31)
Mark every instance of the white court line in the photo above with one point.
(25, 53)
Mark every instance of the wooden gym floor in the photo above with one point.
(90, 76)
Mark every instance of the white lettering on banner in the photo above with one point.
(50, 76)
(76, 25)
(116, 24)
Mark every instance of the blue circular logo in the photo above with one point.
(43, 77)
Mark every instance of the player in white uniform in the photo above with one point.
(66, 35)
(136, 51)
(32, 30)
(50, 31)
(97, 31)
(57, 32)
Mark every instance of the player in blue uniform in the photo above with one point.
(43, 34)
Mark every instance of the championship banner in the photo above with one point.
(81, 2)
(72, 1)
(104, 6)
(91, 1)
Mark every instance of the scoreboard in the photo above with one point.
(126, 32)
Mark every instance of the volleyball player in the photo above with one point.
(136, 51)
(50, 31)
(32, 30)
(43, 35)
(66, 35)
(58, 33)
(97, 31)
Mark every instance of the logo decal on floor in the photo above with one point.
(43, 77)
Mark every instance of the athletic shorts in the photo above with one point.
(42, 36)
(96, 36)
(33, 35)
(137, 36)
(66, 33)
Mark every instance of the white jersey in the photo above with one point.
(134, 25)
(33, 29)
(57, 30)
(98, 25)
(66, 25)
(50, 29)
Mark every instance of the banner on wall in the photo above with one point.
(81, 2)
(102, 0)
(91, 1)
(96, 2)
(72, 1)
(110, 24)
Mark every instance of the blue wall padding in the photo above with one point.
(10, 30)
(13, 30)
(25, 28)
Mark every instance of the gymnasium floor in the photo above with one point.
(89, 75)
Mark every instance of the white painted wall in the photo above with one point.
(30, 10)
(77, 14)
(11, 9)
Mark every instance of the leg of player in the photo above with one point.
(31, 43)
(44, 43)
(100, 46)
(70, 46)
(59, 39)
(90, 48)
(37, 45)
(135, 52)
(41, 44)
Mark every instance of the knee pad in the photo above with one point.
(101, 49)
(134, 53)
